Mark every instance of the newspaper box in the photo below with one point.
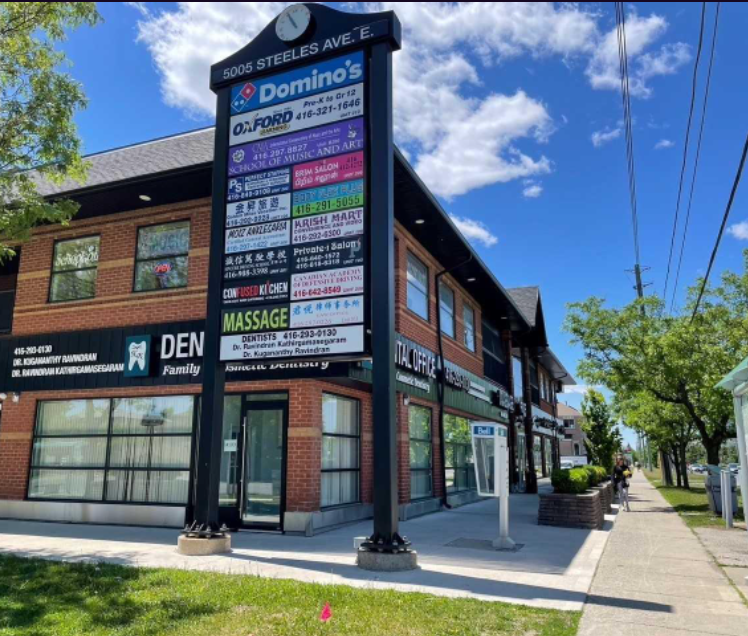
(492, 473)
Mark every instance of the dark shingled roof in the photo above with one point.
(184, 150)
(526, 298)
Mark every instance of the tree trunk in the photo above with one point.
(676, 463)
(712, 451)
(667, 475)
(683, 466)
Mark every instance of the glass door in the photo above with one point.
(521, 460)
(263, 471)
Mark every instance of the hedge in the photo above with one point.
(570, 481)
(595, 474)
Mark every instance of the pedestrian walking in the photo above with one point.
(621, 473)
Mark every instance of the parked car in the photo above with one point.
(733, 468)
(697, 469)
(567, 464)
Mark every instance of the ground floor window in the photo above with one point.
(548, 456)
(341, 450)
(134, 450)
(419, 426)
(538, 455)
(458, 450)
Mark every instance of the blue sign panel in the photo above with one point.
(309, 80)
(483, 430)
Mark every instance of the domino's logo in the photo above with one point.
(243, 97)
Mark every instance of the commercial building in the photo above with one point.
(572, 443)
(101, 341)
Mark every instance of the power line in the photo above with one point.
(698, 152)
(722, 227)
(626, 100)
(685, 147)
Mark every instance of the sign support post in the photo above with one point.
(386, 537)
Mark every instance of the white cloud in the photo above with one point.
(460, 135)
(664, 143)
(474, 231)
(739, 230)
(603, 68)
(532, 189)
(140, 7)
(601, 137)
(579, 389)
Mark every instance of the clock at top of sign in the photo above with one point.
(293, 23)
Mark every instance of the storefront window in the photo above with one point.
(127, 449)
(341, 455)
(548, 456)
(419, 425)
(458, 450)
(518, 379)
(447, 310)
(162, 261)
(74, 269)
(538, 454)
(468, 318)
(418, 287)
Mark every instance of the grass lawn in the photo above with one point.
(42, 598)
(691, 505)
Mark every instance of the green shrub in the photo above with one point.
(595, 474)
(570, 481)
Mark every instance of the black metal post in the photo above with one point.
(210, 431)
(386, 537)
(531, 477)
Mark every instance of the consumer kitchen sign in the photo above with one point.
(295, 268)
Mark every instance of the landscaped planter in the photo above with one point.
(572, 511)
(606, 496)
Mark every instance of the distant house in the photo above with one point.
(572, 442)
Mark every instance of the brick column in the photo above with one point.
(304, 447)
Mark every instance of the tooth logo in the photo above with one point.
(137, 356)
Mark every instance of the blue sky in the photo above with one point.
(497, 106)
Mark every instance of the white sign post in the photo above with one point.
(491, 461)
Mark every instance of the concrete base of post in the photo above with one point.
(387, 561)
(504, 543)
(199, 546)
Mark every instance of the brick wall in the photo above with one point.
(115, 304)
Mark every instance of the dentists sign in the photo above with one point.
(295, 267)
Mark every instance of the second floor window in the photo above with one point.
(447, 310)
(468, 318)
(74, 269)
(418, 287)
(162, 260)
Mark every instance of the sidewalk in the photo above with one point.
(665, 582)
(553, 569)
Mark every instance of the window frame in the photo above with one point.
(342, 436)
(440, 286)
(468, 468)
(409, 254)
(52, 271)
(430, 440)
(467, 307)
(109, 436)
(146, 260)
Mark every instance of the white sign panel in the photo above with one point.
(296, 343)
(273, 208)
(333, 282)
(328, 226)
(308, 112)
(324, 313)
(257, 237)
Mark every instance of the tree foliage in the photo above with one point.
(640, 350)
(37, 105)
(603, 438)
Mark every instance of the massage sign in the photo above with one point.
(294, 265)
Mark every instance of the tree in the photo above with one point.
(668, 426)
(640, 349)
(603, 438)
(37, 104)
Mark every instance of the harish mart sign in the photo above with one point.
(296, 220)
